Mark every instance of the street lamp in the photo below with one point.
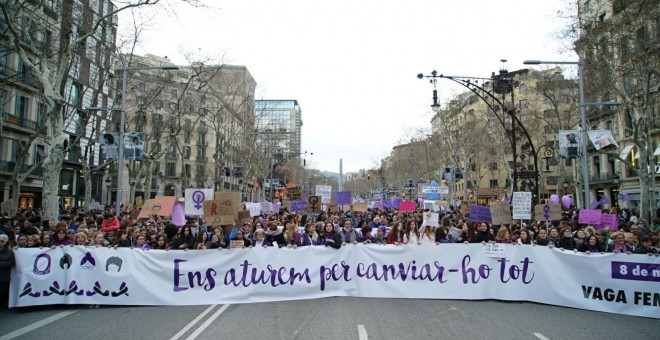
(108, 181)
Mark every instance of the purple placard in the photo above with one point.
(343, 198)
(388, 203)
(635, 271)
(378, 205)
(608, 220)
(480, 213)
(590, 216)
(396, 202)
(276, 208)
(298, 205)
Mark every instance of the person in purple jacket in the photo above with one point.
(329, 236)
(366, 236)
(60, 239)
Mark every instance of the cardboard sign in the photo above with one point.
(407, 206)
(219, 212)
(236, 244)
(522, 205)
(94, 206)
(465, 207)
(500, 213)
(314, 204)
(333, 207)
(232, 195)
(361, 207)
(294, 193)
(343, 197)
(590, 216)
(547, 212)
(161, 206)
(243, 217)
(138, 202)
(194, 200)
(266, 207)
(495, 250)
(480, 213)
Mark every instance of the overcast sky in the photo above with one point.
(352, 64)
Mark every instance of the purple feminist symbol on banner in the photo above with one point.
(546, 212)
(198, 198)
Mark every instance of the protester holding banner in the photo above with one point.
(542, 238)
(483, 235)
(566, 242)
(396, 235)
(589, 246)
(184, 239)
(308, 238)
(274, 235)
(619, 245)
(411, 233)
(347, 233)
(202, 241)
(6, 262)
(329, 236)
(645, 247)
(260, 239)
(503, 235)
(60, 239)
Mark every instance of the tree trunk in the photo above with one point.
(53, 165)
(87, 175)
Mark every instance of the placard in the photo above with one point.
(266, 207)
(298, 206)
(480, 213)
(194, 200)
(218, 212)
(314, 204)
(361, 207)
(407, 206)
(547, 212)
(333, 207)
(161, 206)
(495, 250)
(434, 220)
(522, 205)
(325, 191)
(253, 208)
(608, 220)
(431, 189)
(500, 213)
(243, 217)
(294, 193)
(343, 197)
(236, 244)
(590, 216)
(232, 195)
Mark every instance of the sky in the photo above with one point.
(352, 65)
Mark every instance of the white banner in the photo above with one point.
(435, 190)
(194, 200)
(615, 283)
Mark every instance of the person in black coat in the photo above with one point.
(329, 237)
(6, 262)
(566, 242)
(483, 235)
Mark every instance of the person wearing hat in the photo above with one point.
(6, 262)
(646, 247)
(260, 239)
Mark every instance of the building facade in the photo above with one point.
(24, 139)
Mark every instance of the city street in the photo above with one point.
(331, 318)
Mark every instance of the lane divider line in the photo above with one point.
(362, 333)
(207, 323)
(540, 336)
(192, 323)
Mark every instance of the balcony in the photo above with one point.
(601, 178)
(9, 166)
(24, 78)
(22, 123)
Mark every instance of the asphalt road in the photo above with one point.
(330, 318)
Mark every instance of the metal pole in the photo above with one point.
(583, 122)
(122, 120)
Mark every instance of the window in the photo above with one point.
(187, 124)
(46, 42)
(201, 152)
(567, 113)
(549, 114)
(174, 106)
(39, 153)
(4, 101)
(201, 139)
(493, 183)
(492, 166)
(523, 88)
(140, 101)
(186, 137)
(174, 94)
(641, 39)
(76, 95)
(21, 108)
(524, 103)
(142, 87)
(186, 152)
(201, 171)
(552, 129)
(158, 118)
(155, 147)
(188, 172)
(155, 169)
(170, 169)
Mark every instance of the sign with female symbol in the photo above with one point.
(194, 200)
(547, 212)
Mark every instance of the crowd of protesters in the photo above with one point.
(389, 226)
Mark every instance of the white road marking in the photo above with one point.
(37, 324)
(362, 333)
(207, 323)
(540, 336)
(192, 323)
